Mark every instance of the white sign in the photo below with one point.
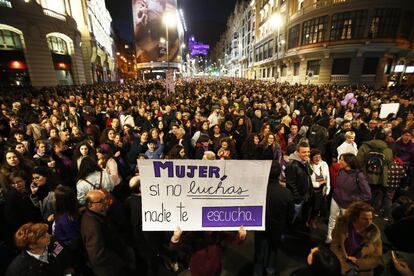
(203, 195)
(387, 109)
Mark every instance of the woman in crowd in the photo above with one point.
(321, 186)
(356, 240)
(176, 152)
(42, 188)
(66, 225)
(41, 148)
(270, 149)
(351, 185)
(82, 149)
(13, 162)
(216, 136)
(18, 208)
(226, 150)
(91, 177)
(251, 149)
(39, 257)
(203, 130)
(108, 163)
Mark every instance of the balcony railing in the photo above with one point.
(54, 14)
(339, 78)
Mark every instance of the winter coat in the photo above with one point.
(103, 246)
(25, 264)
(375, 179)
(406, 153)
(298, 178)
(348, 189)
(46, 205)
(371, 252)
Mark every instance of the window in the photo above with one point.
(293, 40)
(348, 25)
(314, 65)
(265, 51)
(10, 40)
(384, 23)
(296, 67)
(340, 66)
(406, 25)
(370, 66)
(283, 70)
(314, 30)
(270, 50)
(57, 45)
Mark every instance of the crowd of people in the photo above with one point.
(70, 190)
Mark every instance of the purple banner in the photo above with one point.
(232, 216)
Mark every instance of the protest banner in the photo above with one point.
(201, 195)
(390, 108)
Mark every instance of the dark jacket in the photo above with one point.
(279, 211)
(298, 179)
(348, 189)
(106, 251)
(18, 210)
(26, 265)
(406, 153)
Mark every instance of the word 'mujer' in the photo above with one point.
(190, 171)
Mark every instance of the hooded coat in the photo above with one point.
(371, 252)
(362, 156)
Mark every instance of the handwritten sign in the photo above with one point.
(387, 109)
(203, 195)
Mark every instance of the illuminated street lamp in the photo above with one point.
(276, 21)
(170, 20)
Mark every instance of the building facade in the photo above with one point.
(331, 41)
(55, 42)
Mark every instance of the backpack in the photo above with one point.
(318, 136)
(375, 161)
(108, 195)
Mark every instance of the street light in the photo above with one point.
(170, 20)
(276, 22)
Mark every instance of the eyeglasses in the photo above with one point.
(102, 201)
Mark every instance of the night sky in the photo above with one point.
(206, 19)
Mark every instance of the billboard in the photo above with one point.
(150, 32)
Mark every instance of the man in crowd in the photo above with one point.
(107, 253)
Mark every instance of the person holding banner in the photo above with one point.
(205, 249)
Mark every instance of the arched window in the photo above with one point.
(10, 40)
(57, 45)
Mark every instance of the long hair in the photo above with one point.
(87, 166)
(66, 202)
(351, 160)
(356, 208)
(77, 154)
(174, 153)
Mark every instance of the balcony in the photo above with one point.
(339, 78)
(319, 4)
(54, 14)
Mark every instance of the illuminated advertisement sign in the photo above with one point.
(151, 30)
(197, 48)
